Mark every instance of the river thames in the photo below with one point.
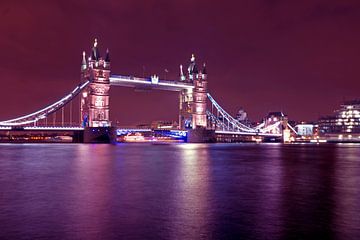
(179, 191)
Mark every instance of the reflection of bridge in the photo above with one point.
(199, 114)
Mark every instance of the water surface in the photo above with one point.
(179, 191)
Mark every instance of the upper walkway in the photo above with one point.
(149, 83)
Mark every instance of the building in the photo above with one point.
(305, 129)
(242, 117)
(344, 124)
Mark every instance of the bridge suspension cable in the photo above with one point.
(43, 113)
(225, 121)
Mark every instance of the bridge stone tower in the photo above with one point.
(193, 102)
(95, 99)
(199, 119)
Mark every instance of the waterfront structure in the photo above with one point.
(276, 117)
(344, 124)
(305, 130)
(95, 99)
(192, 108)
(199, 114)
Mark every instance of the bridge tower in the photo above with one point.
(199, 119)
(95, 99)
(193, 102)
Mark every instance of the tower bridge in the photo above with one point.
(200, 115)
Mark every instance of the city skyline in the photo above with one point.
(262, 56)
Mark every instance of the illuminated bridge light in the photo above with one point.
(53, 128)
(124, 131)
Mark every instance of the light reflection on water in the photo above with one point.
(179, 191)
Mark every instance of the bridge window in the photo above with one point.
(199, 109)
(200, 84)
(99, 103)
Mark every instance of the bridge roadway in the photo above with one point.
(18, 134)
(63, 134)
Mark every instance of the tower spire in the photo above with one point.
(83, 63)
(95, 55)
(182, 76)
(204, 69)
(192, 69)
(107, 56)
(204, 72)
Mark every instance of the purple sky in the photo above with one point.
(301, 57)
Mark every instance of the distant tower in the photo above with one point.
(242, 117)
(95, 99)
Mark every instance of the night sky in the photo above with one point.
(301, 57)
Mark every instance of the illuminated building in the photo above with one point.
(306, 130)
(344, 124)
(95, 100)
(193, 102)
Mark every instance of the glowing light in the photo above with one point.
(154, 79)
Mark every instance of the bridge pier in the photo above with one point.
(99, 135)
(201, 135)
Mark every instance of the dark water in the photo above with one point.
(179, 191)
